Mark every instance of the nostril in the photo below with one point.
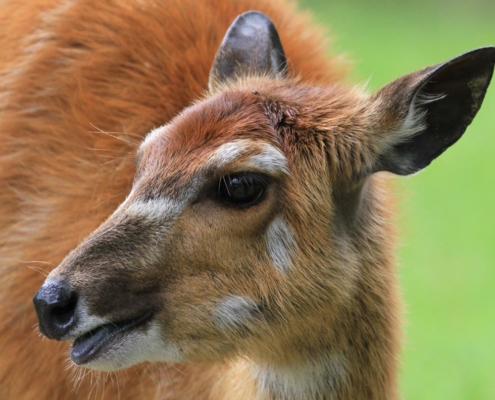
(63, 312)
(55, 305)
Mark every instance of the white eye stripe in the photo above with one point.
(156, 209)
(267, 157)
(270, 160)
(228, 152)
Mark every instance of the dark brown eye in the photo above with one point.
(242, 189)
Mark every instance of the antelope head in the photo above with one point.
(256, 224)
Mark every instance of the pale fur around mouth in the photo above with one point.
(91, 344)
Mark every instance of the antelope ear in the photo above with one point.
(424, 113)
(250, 46)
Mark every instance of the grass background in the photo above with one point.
(447, 212)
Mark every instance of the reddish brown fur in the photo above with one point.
(292, 296)
(68, 73)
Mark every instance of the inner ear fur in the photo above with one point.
(424, 113)
(251, 46)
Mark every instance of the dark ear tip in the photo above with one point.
(480, 55)
(253, 20)
(254, 15)
(250, 46)
(488, 51)
(477, 61)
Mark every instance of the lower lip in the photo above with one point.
(87, 347)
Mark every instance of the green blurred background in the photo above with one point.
(447, 212)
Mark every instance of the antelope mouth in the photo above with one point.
(90, 345)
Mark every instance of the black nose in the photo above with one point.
(55, 305)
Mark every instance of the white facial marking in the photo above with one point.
(280, 244)
(266, 157)
(140, 345)
(228, 152)
(310, 380)
(235, 311)
(87, 322)
(269, 159)
(135, 347)
(159, 214)
(155, 210)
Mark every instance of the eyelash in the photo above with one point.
(242, 190)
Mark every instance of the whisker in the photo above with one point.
(39, 270)
(37, 262)
(114, 135)
(171, 381)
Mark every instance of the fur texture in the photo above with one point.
(293, 296)
(82, 82)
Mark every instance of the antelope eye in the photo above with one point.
(242, 189)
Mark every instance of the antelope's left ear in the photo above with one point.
(250, 46)
(422, 114)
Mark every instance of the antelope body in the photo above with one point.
(245, 246)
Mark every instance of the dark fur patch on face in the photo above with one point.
(113, 272)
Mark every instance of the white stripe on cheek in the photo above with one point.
(235, 311)
(280, 244)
